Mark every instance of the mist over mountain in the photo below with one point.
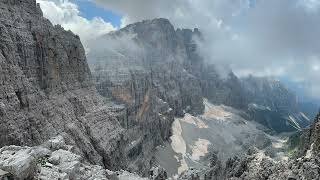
(225, 97)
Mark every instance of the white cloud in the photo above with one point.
(271, 38)
(67, 14)
(265, 38)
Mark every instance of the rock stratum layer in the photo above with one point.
(46, 88)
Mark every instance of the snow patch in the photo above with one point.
(294, 123)
(177, 142)
(188, 118)
(183, 167)
(304, 116)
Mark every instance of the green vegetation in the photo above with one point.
(293, 143)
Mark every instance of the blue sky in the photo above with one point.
(90, 10)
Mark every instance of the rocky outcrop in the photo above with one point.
(55, 160)
(46, 89)
(311, 138)
(52, 160)
(260, 166)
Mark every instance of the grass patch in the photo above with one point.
(293, 143)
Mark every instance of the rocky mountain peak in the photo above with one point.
(159, 23)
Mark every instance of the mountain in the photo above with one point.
(152, 54)
(59, 120)
(46, 88)
(153, 73)
(143, 69)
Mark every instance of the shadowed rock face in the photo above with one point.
(311, 136)
(46, 88)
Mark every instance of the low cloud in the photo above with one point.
(259, 37)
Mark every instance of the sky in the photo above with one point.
(277, 38)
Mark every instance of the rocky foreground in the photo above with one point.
(56, 160)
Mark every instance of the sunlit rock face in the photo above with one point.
(219, 132)
(46, 88)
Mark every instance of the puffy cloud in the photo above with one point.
(67, 14)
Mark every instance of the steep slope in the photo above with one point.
(257, 164)
(220, 132)
(141, 67)
(273, 105)
(311, 138)
(305, 166)
(46, 88)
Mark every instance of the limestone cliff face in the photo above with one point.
(146, 67)
(46, 87)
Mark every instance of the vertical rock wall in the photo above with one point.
(46, 88)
